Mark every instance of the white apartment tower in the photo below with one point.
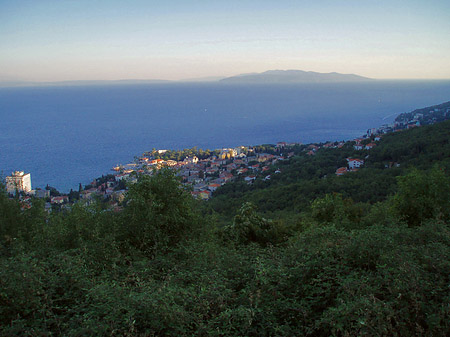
(18, 181)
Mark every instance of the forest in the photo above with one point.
(307, 253)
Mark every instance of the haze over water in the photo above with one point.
(69, 135)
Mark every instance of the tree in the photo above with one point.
(158, 212)
(248, 226)
(11, 219)
(423, 195)
(333, 208)
(53, 191)
(201, 174)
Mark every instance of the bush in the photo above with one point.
(423, 195)
(158, 213)
(248, 226)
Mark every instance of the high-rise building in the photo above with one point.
(18, 181)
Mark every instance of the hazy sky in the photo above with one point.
(45, 40)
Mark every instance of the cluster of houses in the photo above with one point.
(353, 164)
(312, 148)
(374, 135)
(402, 122)
(414, 119)
(107, 190)
(425, 116)
(206, 175)
(18, 184)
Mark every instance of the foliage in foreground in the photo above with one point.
(377, 281)
(160, 269)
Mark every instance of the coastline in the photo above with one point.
(203, 171)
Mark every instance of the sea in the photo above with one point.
(66, 135)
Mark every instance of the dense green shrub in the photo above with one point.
(159, 212)
(332, 208)
(248, 226)
(422, 196)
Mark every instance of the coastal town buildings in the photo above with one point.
(228, 153)
(18, 181)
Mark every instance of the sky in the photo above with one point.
(43, 40)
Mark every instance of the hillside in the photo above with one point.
(428, 115)
(293, 76)
(304, 177)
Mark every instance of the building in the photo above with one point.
(355, 163)
(227, 153)
(250, 179)
(59, 200)
(202, 195)
(191, 160)
(370, 146)
(341, 171)
(213, 187)
(18, 181)
(43, 194)
(371, 132)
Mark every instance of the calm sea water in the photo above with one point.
(70, 135)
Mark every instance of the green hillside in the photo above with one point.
(428, 115)
(304, 178)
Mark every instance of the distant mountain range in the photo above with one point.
(293, 76)
(271, 76)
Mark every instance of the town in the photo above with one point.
(203, 172)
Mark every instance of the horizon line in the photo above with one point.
(20, 83)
